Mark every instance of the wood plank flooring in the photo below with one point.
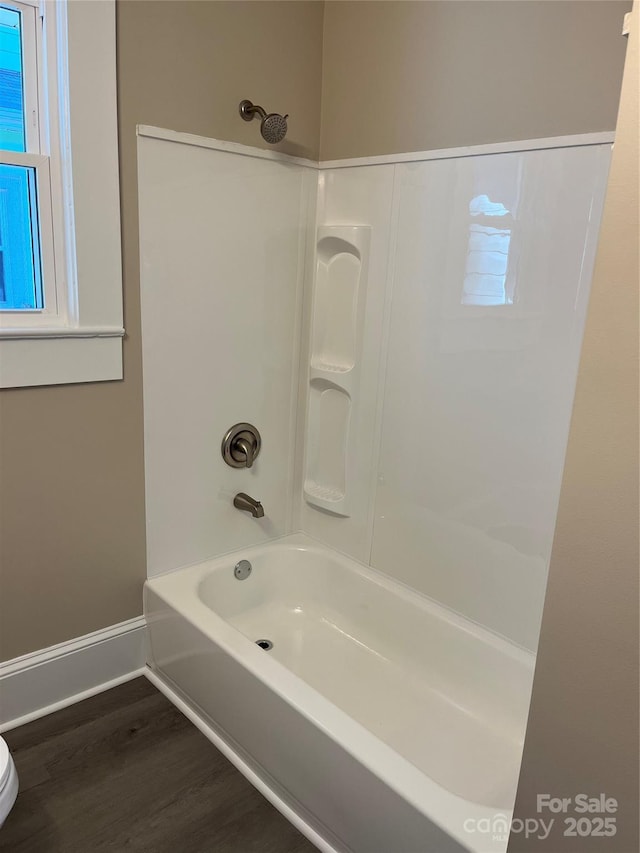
(125, 771)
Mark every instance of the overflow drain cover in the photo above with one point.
(242, 570)
(267, 645)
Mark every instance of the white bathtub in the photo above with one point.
(385, 722)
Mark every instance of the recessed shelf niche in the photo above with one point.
(342, 255)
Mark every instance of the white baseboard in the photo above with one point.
(45, 681)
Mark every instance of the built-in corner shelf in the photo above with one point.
(342, 255)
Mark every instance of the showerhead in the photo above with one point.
(273, 126)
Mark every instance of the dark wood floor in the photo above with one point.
(125, 771)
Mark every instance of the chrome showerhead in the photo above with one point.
(273, 126)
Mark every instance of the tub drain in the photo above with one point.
(267, 645)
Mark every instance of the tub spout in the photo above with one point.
(248, 504)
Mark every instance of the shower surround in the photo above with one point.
(420, 432)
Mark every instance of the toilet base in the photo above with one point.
(9, 792)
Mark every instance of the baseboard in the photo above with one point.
(45, 681)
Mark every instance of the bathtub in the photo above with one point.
(378, 720)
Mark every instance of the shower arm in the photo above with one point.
(249, 110)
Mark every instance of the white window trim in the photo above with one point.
(83, 342)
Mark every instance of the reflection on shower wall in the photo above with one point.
(480, 311)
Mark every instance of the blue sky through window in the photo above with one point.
(20, 275)
(20, 279)
(12, 135)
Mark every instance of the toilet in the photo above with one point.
(8, 781)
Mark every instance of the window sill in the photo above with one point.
(60, 357)
(61, 332)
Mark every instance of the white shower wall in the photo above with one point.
(478, 272)
(222, 243)
(479, 279)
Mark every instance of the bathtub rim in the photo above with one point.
(299, 540)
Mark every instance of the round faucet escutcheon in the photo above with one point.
(241, 445)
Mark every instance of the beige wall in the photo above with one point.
(411, 76)
(583, 725)
(72, 550)
(72, 533)
(187, 65)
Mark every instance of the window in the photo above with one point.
(60, 267)
(12, 107)
(28, 278)
(20, 252)
(20, 266)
